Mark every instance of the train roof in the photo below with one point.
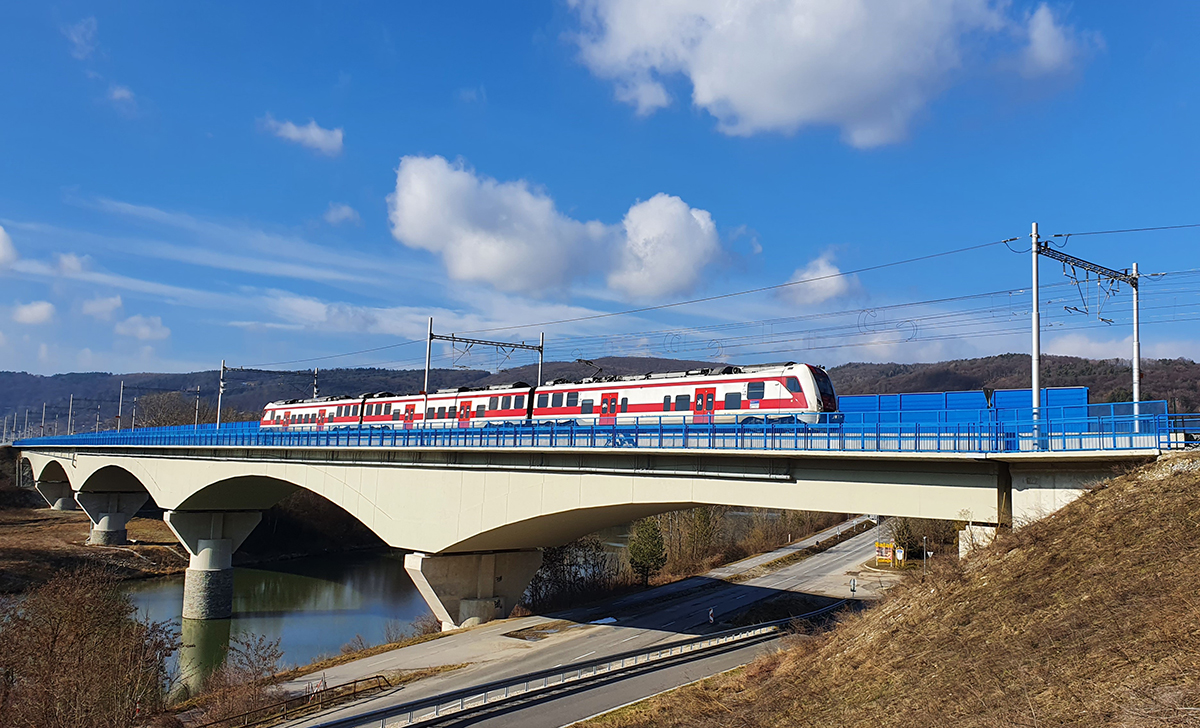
(705, 372)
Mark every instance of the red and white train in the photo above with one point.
(726, 395)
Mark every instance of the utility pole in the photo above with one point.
(425, 389)
(25, 430)
(120, 404)
(43, 420)
(1036, 348)
(70, 413)
(541, 356)
(56, 425)
(220, 393)
(196, 425)
(97, 417)
(316, 389)
(1137, 344)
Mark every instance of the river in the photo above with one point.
(312, 605)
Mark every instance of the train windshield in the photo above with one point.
(825, 387)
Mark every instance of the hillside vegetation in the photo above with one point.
(1089, 617)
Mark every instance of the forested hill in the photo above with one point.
(1175, 379)
(1110, 380)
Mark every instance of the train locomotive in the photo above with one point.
(731, 394)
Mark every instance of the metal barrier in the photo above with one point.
(1141, 431)
(440, 706)
(299, 705)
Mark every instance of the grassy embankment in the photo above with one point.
(1089, 617)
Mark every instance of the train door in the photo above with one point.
(464, 414)
(321, 420)
(705, 402)
(608, 408)
(410, 414)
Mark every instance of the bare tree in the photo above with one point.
(73, 654)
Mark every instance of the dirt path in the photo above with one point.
(36, 544)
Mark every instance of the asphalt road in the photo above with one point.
(644, 620)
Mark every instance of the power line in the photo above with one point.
(1130, 230)
(333, 356)
(748, 291)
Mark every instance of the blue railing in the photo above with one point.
(1150, 428)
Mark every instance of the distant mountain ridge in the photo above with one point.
(1177, 380)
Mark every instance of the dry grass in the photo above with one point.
(1086, 618)
(37, 544)
(351, 656)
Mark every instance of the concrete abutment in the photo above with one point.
(58, 494)
(477, 586)
(109, 513)
(210, 538)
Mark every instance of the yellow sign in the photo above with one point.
(884, 552)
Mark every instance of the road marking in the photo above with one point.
(583, 656)
(629, 638)
(673, 621)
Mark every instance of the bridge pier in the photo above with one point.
(475, 588)
(109, 513)
(210, 538)
(58, 494)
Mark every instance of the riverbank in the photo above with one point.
(38, 543)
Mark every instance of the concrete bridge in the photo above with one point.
(475, 508)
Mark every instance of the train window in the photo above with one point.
(387, 408)
(756, 390)
(441, 413)
(480, 410)
(493, 403)
(624, 404)
(430, 413)
(354, 411)
(338, 411)
(556, 399)
(683, 403)
(519, 402)
(543, 400)
(793, 384)
(733, 400)
(572, 399)
(372, 409)
(667, 403)
(604, 405)
(396, 415)
(585, 407)
(506, 403)
(709, 405)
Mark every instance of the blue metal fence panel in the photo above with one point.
(1107, 427)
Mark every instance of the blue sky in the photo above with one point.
(273, 183)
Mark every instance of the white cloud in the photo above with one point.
(825, 282)
(505, 233)
(311, 135)
(473, 95)
(864, 66)
(102, 308)
(70, 264)
(1052, 48)
(8, 251)
(83, 38)
(512, 236)
(667, 244)
(120, 93)
(144, 328)
(339, 213)
(37, 312)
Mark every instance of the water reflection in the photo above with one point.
(312, 605)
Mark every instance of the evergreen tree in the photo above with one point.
(647, 554)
